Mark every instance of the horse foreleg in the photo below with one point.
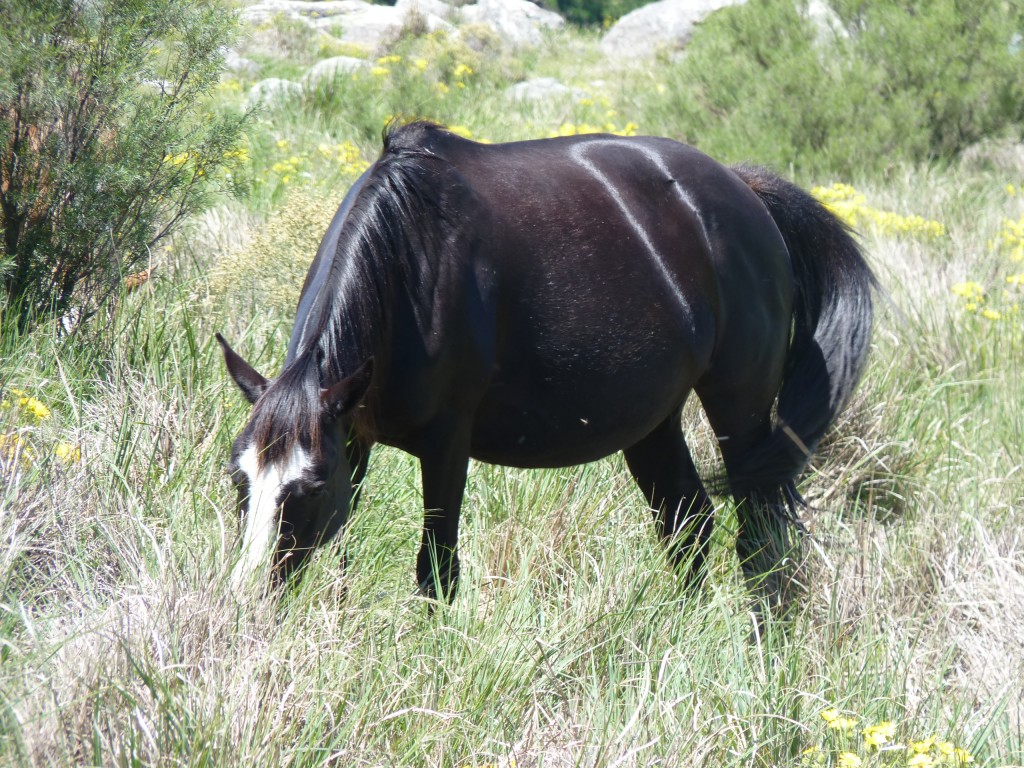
(443, 469)
(663, 468)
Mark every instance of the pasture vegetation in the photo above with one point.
(570, 642)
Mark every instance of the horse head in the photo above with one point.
(289, 464)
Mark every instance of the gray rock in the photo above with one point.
(352, 21)
(664, 24)
(304, 10)
(332, 67)
(363, 24)
(518, 22)
(540, 88)
(239, 64)
(272, 89)
(428, 8)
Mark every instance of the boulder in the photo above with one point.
(365, 25)
(332, 67)
(240, 65)
(428, 8)
(352, 21)
(663, 24)
(272, 89)
(304, 10)
(518, 22)
(540, 88)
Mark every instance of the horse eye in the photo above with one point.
(316, 489)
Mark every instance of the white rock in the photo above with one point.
(332, 67)
(352, 21)
(663, 24)
(272, 89)
(425, 7)
(541, 88)
(305, 10)
(239, 64)
(518, 22)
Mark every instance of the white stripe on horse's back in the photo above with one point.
(579, 153)
(266, 485)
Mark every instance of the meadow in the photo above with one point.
(570, 642)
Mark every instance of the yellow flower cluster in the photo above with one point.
(578, 129)
(1009, 299)
(14, 446)
(26, 403)
(386, 66)
(975, 298)
(852, 207)
(345, 156)
(1011, 239)
(877, 747)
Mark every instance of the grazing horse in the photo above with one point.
(547, 303)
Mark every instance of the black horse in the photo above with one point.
(547, 303)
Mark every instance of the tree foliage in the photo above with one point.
(106, 141)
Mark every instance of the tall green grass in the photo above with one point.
(570, 642)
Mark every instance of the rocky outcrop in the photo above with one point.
(333, 67)
(272, 89)
(351, 21)
(666, 24)
(540, 88)
(518, 22)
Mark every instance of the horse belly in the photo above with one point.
(555, 421)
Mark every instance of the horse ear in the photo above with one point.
(246, 377)
(342, 397)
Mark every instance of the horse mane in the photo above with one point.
(394, 243)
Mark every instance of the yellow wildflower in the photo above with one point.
(921, 760)
(392, 59)
(836, 721)
(849, 760)
(879, 735)
(969, 290)
(420, 64)
(282, 144)
(461, 130)
(461, 71)
(924, 746)
(68, 452)
(991, 314)
(380, 71)
(28, 403)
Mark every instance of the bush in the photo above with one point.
(106, 144)
(593, 12)
(762, 81)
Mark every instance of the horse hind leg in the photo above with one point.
(769, 536)
(663, 468)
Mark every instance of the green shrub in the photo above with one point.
(105, 141)
(591, 12)
(761, 81)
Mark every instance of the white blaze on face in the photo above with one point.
(262, 523)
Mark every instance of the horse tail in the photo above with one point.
(832, 319)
